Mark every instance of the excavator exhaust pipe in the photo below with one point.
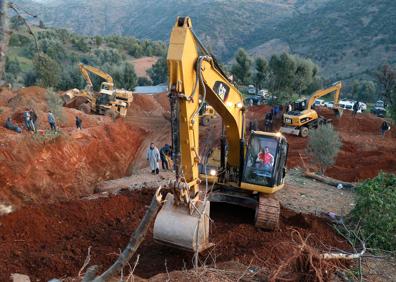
(175, 226)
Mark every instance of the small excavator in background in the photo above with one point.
(248, 174)
(108, 101)
(302, 118)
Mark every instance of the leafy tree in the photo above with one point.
(12, 67)
(30, 78)
(262, 72)
(129, 77)
(144, 81)
(367, 91)
(241, 69)
(48, 70)
(323, 146)
(386, 77)
(159, 71)
(375, 211)
(98, 40)
(82, 45)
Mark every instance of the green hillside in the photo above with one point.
(347, 38)
(64, 50)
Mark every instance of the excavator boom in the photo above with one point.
(336, 87)
(86, 68)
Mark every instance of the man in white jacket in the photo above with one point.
(153, 156)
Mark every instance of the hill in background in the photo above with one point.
(347, 38)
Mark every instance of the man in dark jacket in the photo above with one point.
(164, 152)
(78, 122)
(384, 128)
(33, 119)
(355, 108)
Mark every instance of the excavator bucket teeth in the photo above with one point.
(175, 226)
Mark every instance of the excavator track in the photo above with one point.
(267, 213)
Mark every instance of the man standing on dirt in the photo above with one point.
(33, 119)
(153, 156)
(384, 128)
(51, 121)
(26, 119)
(355, 108)
(78, 122)
(164, 152)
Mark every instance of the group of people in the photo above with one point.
(30, 120)
(154, 156)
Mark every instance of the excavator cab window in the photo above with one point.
(300, 105)
(265, 157)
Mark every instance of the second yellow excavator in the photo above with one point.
(108, 101)
(248, 175)
(302, 118)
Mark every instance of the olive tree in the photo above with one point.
(323, 146)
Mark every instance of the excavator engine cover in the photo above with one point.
(175, 226)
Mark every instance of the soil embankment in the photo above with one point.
(52, 240)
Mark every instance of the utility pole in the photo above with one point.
(4, 36)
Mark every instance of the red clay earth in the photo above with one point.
(34, 170)
(52, 240)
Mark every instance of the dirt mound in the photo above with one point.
(52, 240)
(69, 166)
(36, 168)
(143, 64)
(149, 105)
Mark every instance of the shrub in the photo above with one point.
(375, 211)
(48, 70)
(323, 146)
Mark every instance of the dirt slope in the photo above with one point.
(36, 170)
(52, 240)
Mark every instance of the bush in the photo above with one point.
(48, 70)
(375, 211)
(323, 146)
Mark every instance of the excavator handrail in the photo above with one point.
(322, 92)
(87, 68)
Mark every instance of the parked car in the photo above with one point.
(251, 90)
(329, 105)
(254, 100)
(346, 104)
(319, 102)
(379, 109)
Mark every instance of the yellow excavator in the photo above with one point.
(108, 101)
(248, 175)
(302, 118)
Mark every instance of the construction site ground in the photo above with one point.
(91, 187)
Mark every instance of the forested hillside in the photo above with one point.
(54, 62)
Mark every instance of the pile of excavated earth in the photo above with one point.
(46, 182)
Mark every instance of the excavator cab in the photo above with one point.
(265, 162)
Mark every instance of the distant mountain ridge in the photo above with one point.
(347, 38)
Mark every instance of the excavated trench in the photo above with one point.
(46, 241)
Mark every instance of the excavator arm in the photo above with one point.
(85, 69)
(194, 73)
(336, 87)
(194, 76)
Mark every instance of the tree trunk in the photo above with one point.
(4, 36)
(134, 242)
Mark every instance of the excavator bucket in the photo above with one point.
(174, 226)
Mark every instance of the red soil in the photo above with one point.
(33, 170)
(51, 240)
